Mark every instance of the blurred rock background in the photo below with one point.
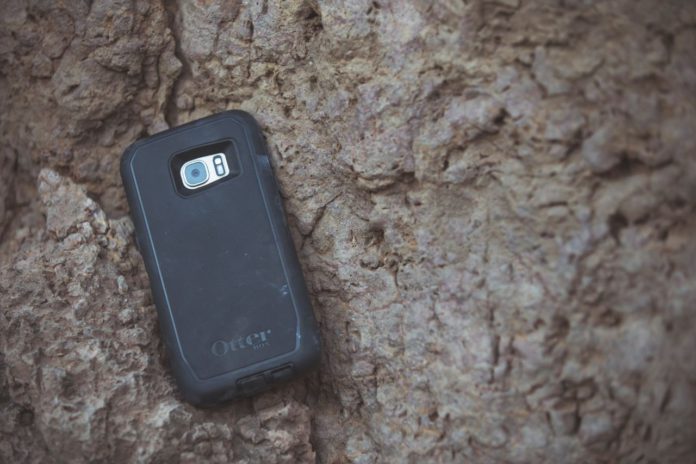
(493, 200)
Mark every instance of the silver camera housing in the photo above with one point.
(215, 166)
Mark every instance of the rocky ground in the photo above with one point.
(493, 200)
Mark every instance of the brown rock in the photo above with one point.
(492, 201)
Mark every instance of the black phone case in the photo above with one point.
(233, 307)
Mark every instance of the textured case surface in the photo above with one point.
(232, 303)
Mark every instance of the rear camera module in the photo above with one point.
(204, 170)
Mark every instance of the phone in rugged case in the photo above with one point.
(233, 307)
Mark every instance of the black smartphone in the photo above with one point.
(233, 306)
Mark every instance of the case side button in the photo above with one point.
(265, 162)
(283, 373)
(252, 384)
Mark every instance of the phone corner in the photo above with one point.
(202, 393)
(253, 127)
(240, 115)
(127, 158)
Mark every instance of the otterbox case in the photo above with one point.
(233, 307)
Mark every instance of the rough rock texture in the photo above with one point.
(494, 202)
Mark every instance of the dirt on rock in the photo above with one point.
(494, 202)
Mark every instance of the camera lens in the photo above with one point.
(195, 174)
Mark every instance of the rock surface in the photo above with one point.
(494, 202)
